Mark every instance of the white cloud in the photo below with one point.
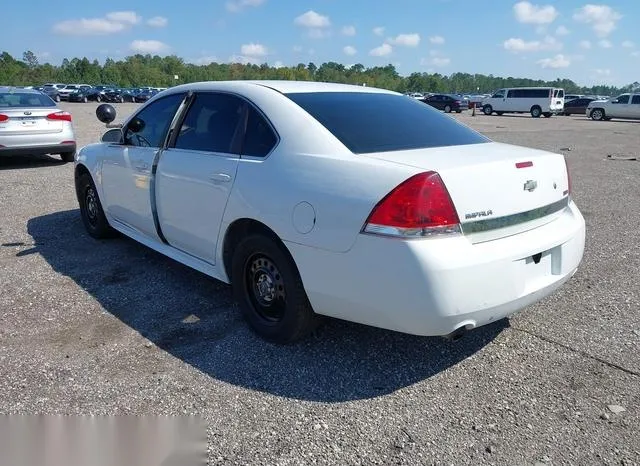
(297, 48)
(112, 23)
(382, 51)
(562, 31)
(236, 6)
(125, 17)
(520, 45)
(318, 33)
(349, 50)
(635, 54)
(87, 27)
(278, 64)
(602, 18)
(440, 61)
(244, 60)
(437, 40)
(311, 19)
(526, 12)
(585, 44)
(158, 22)
(204, 60)
(559, 61)
(253, 50)
(605, 44)
(408, 40)
(349, 31)
(603, 72)
(379, 31)
(148, 46)
(627, 44)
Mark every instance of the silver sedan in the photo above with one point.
(32, 124)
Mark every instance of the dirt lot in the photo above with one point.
(97, 327)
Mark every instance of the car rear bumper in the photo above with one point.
(436, 286)
(38, 150)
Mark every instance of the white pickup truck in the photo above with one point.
(623, 106)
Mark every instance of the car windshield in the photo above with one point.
(24, 99)
(368, 122)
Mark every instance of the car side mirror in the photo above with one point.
(113, 136)
(136, 125)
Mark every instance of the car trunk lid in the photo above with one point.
(22, 121)
(497, 189)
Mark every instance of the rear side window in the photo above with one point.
(24, 99)
(369, 122)
(636, 99)
(259, 138)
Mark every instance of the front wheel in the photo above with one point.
(487, 109)
(269, 290)
(447, 109)
(597, 114)
(91, 211)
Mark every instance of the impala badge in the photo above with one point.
(530, 185)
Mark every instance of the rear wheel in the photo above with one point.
(91, 211)
(68, 156)
(269, 290)
(536, 111)
(447, 109)
(487, 109)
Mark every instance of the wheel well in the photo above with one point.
(240, 229)
(79, 171)
(536, 106)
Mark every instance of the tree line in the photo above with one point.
(147, 70)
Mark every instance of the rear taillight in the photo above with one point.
(568, 191)
(419, 207)
(59, 116)
(3, 118)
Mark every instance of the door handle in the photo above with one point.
(141, 166)
(220, 177)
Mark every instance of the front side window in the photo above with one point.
(623, 99)
(636, 99)
(149, 127)
(211, 124)
(368, 122)
(498, 95)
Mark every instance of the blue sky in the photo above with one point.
(591, 43)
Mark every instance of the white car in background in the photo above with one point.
(328, 199)
(624, 106)
(538, 101)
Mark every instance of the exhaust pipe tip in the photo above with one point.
(457, 334)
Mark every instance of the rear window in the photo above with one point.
(368, 122)
(24, 99)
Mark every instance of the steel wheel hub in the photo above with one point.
(266, 288)
(92, 205)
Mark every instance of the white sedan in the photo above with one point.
(317, 199)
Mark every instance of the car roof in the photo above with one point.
(283, 86)
(10, 89)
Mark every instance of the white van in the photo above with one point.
(538, 101)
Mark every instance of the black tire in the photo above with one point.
(91, 209)
(68, 156)
(458, 111)
(487, 109)
(536, 111)
(280, 312)
(597, 114)
(447, 109)
(98, 99)
(547, 115)
(57, 98)
(500, 113)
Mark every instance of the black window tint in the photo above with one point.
(623, 99)
(370, 122)
(154, 121)
(259, 138)
(636, 99)
(211, 123)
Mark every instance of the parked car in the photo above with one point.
(52, 92)
(32, 124)
(538, 101)
(85, 95)
(330, 199)
(69, 88)
(624, 106)
(577, 106)
(447, 102)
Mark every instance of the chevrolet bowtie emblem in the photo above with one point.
(530, 185)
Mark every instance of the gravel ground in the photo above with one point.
(98, 327)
